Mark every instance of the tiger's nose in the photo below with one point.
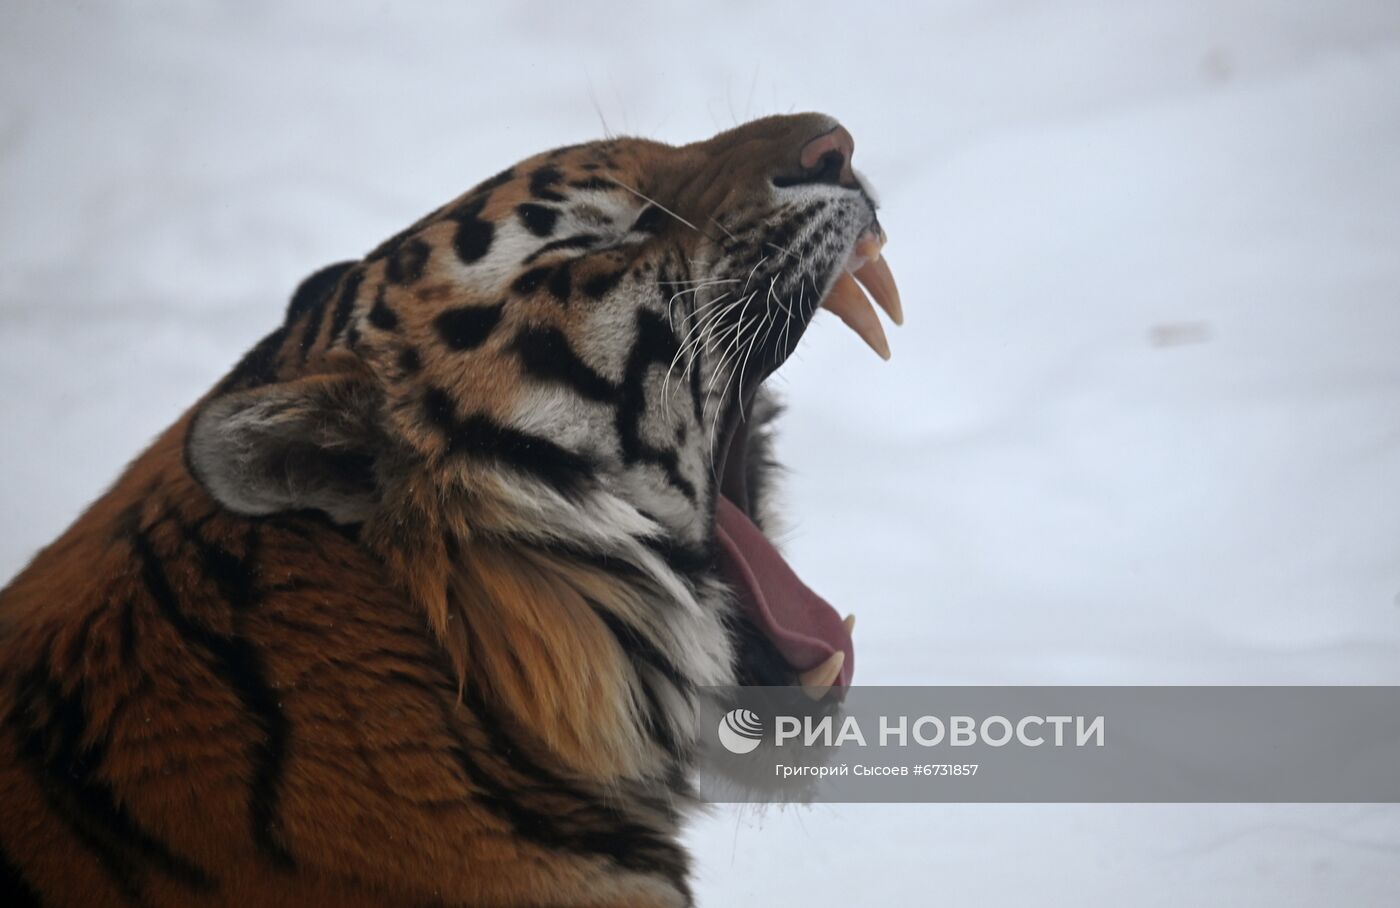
(837, 142)
(825, 159)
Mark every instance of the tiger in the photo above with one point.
(419, 604)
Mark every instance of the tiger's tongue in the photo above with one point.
(803, 627)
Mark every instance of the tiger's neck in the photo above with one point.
(596, 659)
(567, 652)
(591, 660)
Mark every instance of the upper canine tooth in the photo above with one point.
(876, 276)
(849, 302)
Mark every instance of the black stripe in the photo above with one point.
(531, 280)
(651, 220)
(543, 181)
(380, 315)
(586, 823)
(499, 180)
(691, 304)
(473, 237)
(314, 290)
(258, 366)
(51, 724)
(577, 241)
(685, 560)
(546, 354)
(656, 725)
(600, 285)
(642, 652)
(558, 278)
(467, 327)
(655, 343)
(578, 819)
(238, 663)
(311, 299)
(230, 573)
(312, 329)
(77, 649)
(638, 647)
(50, 743)
(480, 436)
(561, 283)
(405, 264)
(538, 219)
(758, 662)
(345, 305)
(594, 183)
(15, 891)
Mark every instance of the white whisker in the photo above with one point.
(717, 223)
(648, 198)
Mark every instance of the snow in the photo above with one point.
(1142, 426)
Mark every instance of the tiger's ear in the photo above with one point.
(308, 443)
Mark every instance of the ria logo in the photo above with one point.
(740, 731)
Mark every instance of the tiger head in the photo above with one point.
(570, 358)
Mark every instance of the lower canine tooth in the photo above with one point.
(868, 247)
(850, 304)
(817, 681)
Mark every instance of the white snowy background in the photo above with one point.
(1142, 426)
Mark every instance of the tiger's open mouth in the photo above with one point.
(807, 633)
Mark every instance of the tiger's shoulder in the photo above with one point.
(202, 707)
